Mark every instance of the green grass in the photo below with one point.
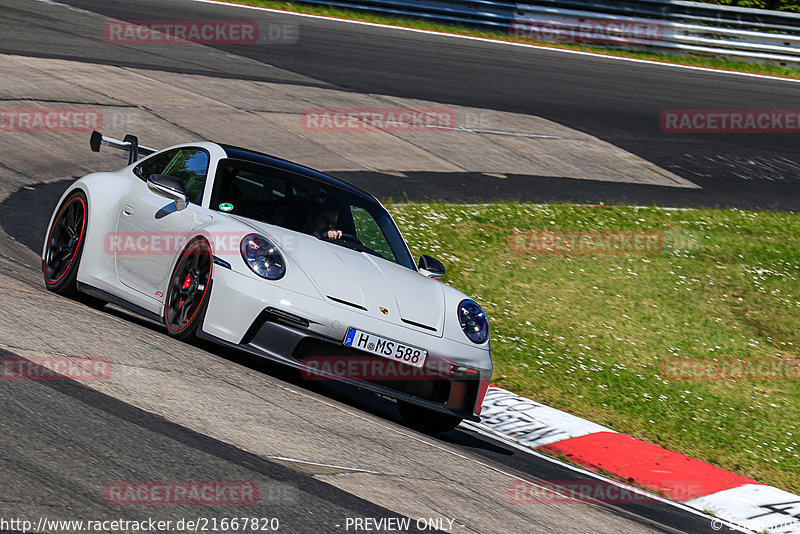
(586, 333)
(698, 61)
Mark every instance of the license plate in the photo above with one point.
(387, 348)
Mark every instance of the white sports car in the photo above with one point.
(255, 252)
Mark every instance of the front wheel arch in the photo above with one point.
(188, 289)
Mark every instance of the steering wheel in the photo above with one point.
(351, 238)
(344, 237)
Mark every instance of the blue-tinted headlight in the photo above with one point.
(473, 321)
(262, 257)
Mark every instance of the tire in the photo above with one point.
(64, 251)
(425, 420)
(65, 246)
(187, 293)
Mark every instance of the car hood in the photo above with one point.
(357, 280)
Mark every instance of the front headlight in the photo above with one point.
(262, 257)
(473, 321)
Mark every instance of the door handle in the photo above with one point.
(128, 210)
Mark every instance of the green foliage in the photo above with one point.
(600, 333)
(780, 5)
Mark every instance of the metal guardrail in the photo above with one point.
(688, 12)
(676, 26)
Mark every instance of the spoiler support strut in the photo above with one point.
(130, 144)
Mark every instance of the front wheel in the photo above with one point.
(187, 294)
(426, 420)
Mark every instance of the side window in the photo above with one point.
(154, 165)
(252, 191)
(369, 233)
(188, 164)
(191, 166)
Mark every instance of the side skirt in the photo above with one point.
(105, 295)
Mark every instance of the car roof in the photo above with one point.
(235, 152)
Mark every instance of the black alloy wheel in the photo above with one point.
(188, 291)
(64, 245)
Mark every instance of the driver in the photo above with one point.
(321, 223)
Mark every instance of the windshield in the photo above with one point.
(303, 204)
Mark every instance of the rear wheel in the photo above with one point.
(187, 294)
(65, 249)
(426, 420)
(64, 246)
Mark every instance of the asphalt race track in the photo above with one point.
(321, 454)
(617, 101)
(66, 419)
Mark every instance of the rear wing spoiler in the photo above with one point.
(129, 143)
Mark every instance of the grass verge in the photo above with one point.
(691, 60)
(590, 333)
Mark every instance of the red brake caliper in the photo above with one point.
(186, 284)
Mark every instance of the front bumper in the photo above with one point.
(299, 330)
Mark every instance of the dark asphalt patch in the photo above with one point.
(783, 195)
(25, 214)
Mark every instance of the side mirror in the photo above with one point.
(169, 187)
(431, 267)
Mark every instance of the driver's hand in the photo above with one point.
(334, 234)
